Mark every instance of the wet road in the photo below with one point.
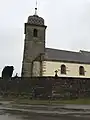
(16, 115)
(38, 114)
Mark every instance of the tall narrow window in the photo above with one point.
(35, 33)
(81, 70)
(63, 69)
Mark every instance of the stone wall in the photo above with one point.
(60, 87)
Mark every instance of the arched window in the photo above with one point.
(35, 33)
(63, 69)
(81, 70)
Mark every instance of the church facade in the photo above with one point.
(41, 61)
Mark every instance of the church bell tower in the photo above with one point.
(34, 43)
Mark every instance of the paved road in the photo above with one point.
(38, 117)
(16, 115)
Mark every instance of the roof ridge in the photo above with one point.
(63, 50)
(84, 51)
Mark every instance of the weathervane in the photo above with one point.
(36, 8)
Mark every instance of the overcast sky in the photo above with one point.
(68, 27)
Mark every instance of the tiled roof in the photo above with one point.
(35, 20)
(69, 56)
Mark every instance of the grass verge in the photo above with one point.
(51, 102)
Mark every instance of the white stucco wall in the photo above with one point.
(72, 69)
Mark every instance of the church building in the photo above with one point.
(41, 61)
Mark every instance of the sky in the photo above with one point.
(68, 27)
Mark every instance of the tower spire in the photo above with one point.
(36, 8)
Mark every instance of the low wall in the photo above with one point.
(60, 87)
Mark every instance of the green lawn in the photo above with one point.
(53, 102)
(28, 101)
